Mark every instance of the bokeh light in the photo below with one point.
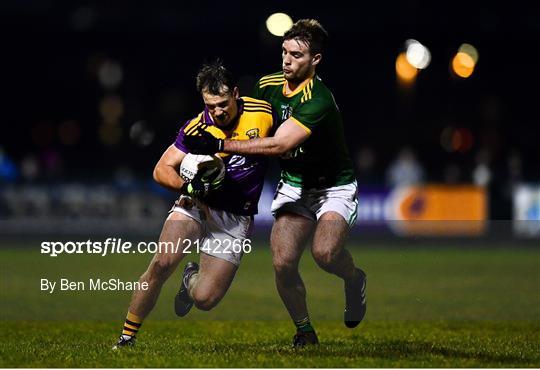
(111, 108)
(463, 65)
(464, 62)
(456, 139)
(406, 73)
(279, 23)
(110, 135)
(110, 74)
(469, 50)
(141, 133)
(417, 54)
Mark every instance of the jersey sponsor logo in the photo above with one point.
(240, 162)
(286, 111)
(236, 161)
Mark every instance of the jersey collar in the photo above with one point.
(297, 90)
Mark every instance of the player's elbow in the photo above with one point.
(159, 173)
(155, 174)
(279, 151)
(280, 148)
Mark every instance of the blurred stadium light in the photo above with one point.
(457, 139)
(141, 133)
(406, 73)
(465, 60)
(278, 23)
(110, 74)
(470, 51)
(417, 54)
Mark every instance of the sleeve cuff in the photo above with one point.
(308, 130)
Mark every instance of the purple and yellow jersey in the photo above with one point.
(244, 178)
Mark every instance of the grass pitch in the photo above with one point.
(427, 307)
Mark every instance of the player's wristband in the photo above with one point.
(220, 145)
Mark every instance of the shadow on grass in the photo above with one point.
(388, 350)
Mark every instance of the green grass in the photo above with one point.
(262, 344)
(427, 307)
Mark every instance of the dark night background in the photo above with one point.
(52, 51)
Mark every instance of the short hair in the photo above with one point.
(309, 31)
(212, 77)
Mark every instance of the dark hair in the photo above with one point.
(213, 76)
(309, 31)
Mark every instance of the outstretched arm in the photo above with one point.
(287, 137)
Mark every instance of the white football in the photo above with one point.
(212, 167)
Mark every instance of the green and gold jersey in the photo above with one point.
(323, 159)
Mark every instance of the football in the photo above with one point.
(212, 167)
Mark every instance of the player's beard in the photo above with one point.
(293, 80)
(298, 77)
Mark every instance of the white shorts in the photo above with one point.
(223, 232)
(313, 203)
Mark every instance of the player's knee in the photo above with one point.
(283, 267)
(205, 301)
(325, 258)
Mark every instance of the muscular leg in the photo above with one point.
(328, 246)
(289, 233)
(210, 284)
(177, 226)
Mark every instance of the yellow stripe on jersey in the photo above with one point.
(191, 127)
(253, 104)
(308, 130)
(307, 92)
(271, 84)
(249, 107)
(256, 101)
(275, 79)
(271, 80)
(247, 99)
(198, 122)
(303, 99)
(272, 77)
(262, 110)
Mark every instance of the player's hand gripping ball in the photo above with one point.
(202, 174)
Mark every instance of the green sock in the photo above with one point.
(304, 325)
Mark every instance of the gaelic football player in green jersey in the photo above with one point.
(318, 191)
